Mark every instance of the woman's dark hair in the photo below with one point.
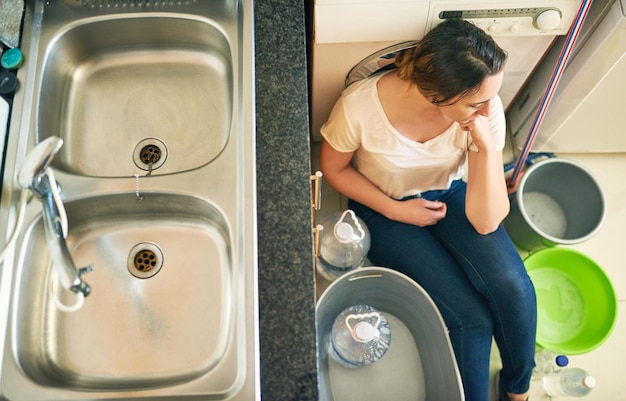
(452, 60)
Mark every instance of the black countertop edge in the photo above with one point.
(286, 269)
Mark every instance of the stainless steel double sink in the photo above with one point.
(154, 101)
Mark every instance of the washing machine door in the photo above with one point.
(377, 62)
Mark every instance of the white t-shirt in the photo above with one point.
(397, 165)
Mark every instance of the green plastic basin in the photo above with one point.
(576, 302)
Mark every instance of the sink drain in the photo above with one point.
(145, 260)
(150, 154)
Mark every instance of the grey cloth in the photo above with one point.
(11, 18)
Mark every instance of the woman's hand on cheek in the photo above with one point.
(480, 132)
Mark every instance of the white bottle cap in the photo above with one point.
(589, 381)
(344, 232)
(364, 331)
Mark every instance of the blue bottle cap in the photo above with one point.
(12, 59)
(562, 360)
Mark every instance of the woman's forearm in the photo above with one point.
(487, 202)
(340, 174)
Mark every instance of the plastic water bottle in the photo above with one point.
(569, 382)
(343, 244)
(360, 336)
(548, 362)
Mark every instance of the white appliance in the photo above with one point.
(586, 113)
(347, 31)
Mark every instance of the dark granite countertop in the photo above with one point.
(286, 270)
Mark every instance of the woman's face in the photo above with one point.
(465, 109)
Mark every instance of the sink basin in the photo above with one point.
(165, 315)
(160, 310)
(123, 91)
(154, 102)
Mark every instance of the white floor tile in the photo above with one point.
(608, 248)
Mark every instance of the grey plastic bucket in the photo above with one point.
(394, 294)
(557, 202)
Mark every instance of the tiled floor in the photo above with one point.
(607, 362)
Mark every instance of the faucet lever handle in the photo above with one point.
(38, 160)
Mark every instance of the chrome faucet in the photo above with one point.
(37, 176)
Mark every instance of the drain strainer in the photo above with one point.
(145, 260)
(150, 154)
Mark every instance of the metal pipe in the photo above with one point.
(552, 85)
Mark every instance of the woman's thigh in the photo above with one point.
(417, 253)
(491, 262)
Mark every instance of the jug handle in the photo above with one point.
(356, 222)
(360, 317)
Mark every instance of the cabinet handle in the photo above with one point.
(317, 190)
(316, 239)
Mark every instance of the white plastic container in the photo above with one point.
(360, 336)
(4, 118)
(569, 382)
(343, 244)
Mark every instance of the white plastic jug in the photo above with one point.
(360, 336)
(343, 244)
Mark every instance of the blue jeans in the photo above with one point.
(478, 282)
